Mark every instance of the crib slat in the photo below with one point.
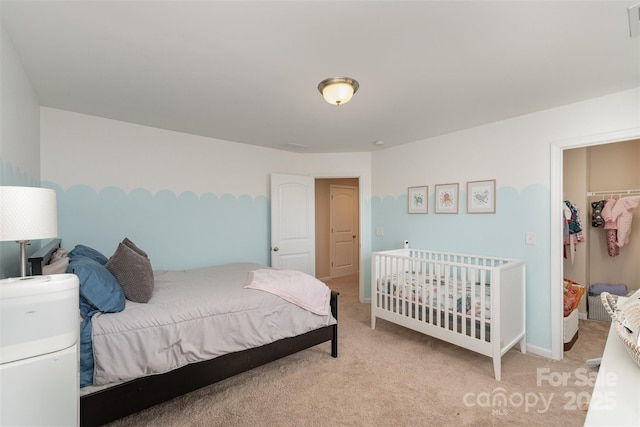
(483, 297)
(463, 301)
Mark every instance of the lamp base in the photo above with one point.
(23, 257)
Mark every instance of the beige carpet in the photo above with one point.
(392, 376)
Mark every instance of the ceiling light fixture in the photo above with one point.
(338, 90)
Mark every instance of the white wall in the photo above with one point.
(20, 129)
(19, 139)
(514, 151)
(82, 149)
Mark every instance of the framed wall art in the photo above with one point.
(418, 198)
(481, 196)
(446, 196)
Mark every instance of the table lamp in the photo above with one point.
(27, 213)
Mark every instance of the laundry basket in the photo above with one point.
(626, 322)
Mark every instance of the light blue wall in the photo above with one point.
(500, 234)
(179, 231)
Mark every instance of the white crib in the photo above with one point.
(471, 301)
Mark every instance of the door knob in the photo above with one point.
(276, 249)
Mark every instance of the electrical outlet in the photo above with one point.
(379, 231)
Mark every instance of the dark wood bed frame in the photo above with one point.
(124, 399)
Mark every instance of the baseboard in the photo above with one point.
(539, 351)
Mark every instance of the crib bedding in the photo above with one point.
(192, 316)
(438, 291)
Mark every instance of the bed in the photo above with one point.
(135, 385)
(471, 301)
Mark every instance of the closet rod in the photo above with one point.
(613, 193)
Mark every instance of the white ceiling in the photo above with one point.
(248, 71)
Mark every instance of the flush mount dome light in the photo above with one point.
(338, 90)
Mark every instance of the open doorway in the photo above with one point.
(557, 202)
(337, 227)
(595, 176)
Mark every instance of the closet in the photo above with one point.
(598, 173)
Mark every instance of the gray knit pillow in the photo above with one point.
(134, 273)
(133, 246)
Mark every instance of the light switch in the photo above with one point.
(530, 238)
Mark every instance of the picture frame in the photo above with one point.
(481, 196)
(446, 198)
(418, 200)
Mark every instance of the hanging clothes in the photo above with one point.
(622, 213)
(596, 213)
(611, 228)
(573, 229)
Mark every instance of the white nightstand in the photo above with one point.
(39, 332)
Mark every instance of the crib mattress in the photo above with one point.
(192, 316)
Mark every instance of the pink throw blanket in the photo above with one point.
(296, 287)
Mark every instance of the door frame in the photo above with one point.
(362, 181)
(557, 269)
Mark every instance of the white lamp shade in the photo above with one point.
(337, 93)
(27, 213)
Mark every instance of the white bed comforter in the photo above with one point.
(192, 316)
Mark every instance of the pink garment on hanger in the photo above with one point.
(622, 213)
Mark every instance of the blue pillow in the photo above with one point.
(86, 251)
(97, 285)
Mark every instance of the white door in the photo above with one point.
(293, 223)
(344, 230)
